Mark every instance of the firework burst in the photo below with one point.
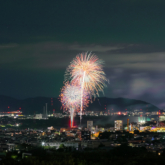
(71, 99)
(86, 70)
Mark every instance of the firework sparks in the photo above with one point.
(71, 99)
(86, 70)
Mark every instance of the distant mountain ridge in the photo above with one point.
(35, 105)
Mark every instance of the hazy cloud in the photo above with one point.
(132, 75)
(94, 48)
(8, 46)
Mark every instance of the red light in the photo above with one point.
(70, 123)
(119, 113)
(8, 107)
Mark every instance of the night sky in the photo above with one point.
(38, 39)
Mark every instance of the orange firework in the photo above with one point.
(86, 70)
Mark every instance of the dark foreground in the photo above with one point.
(122, 155)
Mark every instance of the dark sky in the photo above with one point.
(38, 39)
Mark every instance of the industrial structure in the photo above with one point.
(11, 113)
(38, 116)
(118, 125)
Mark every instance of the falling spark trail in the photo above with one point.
(82, 88)
(71, 116)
